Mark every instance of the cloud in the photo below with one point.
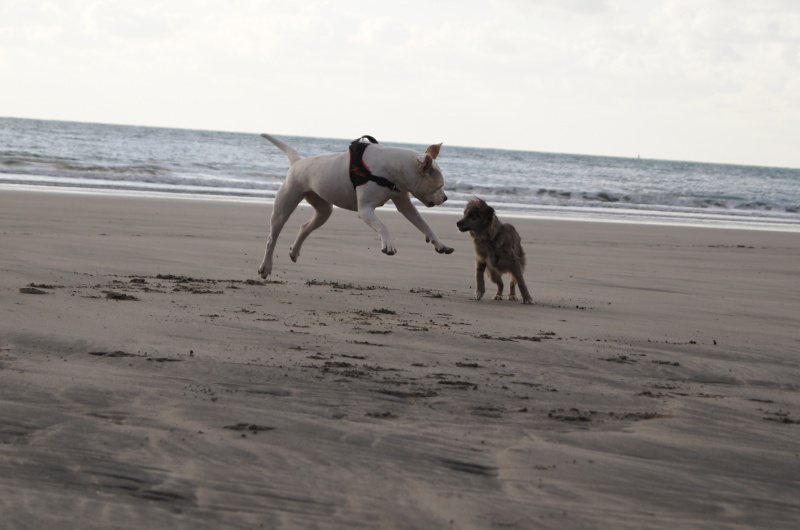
(603, 77)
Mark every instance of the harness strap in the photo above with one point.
(359, 172)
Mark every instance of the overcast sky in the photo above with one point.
(700, 80)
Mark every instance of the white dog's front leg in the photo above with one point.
(367, 214)
(406, 207)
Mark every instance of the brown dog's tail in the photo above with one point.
(293, 155)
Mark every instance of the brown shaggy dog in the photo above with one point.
(498, 250)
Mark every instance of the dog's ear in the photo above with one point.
(433, 150)
(425, 162)
(487, 212)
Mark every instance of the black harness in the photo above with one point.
(359, 172)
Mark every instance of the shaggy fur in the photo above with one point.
(498, 250)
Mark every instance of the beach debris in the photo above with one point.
(37, 288)
(651, 394)
(538, 386)
(577, 415)
(117, 353)
(338, 364)
(488, 411)
(636, 416)
(176, 278)
(194, 290)
(666, 363)
(422, 393)
(263, 282)
(665, 386)
(490, 337)
(622, 359)
(252, 427)
(468, 365)
(572, 414)
(120, 353)
(429, 293)
(31, 290)
(114, 295)
(162, 496)
(469, 467)
(381, 415)
(781, 417)
(463, 385)
(342, 286)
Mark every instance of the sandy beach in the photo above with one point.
(150, 379)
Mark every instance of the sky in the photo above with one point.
(698, 80)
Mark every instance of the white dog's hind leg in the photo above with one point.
(409, 211)
(322, 211)
(286, 201)
(275, 226)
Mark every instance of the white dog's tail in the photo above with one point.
(293, 155)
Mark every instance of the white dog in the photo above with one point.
(360, 179)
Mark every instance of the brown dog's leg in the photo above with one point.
(497, 278)
(480, 272)
(523, 289)
(512, 289)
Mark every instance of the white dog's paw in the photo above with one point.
(441, 248)
(389, 248)
(478, 295)
(264, 270)
(512, 297)
(444, 249)
(498, 297)
(293, 255)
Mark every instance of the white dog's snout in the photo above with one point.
(436, 202)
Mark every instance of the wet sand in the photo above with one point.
(149, 378)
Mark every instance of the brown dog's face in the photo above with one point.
(477, 216)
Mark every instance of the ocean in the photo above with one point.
(133, 160)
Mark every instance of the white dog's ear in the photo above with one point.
(425, 163)
(433, 150)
